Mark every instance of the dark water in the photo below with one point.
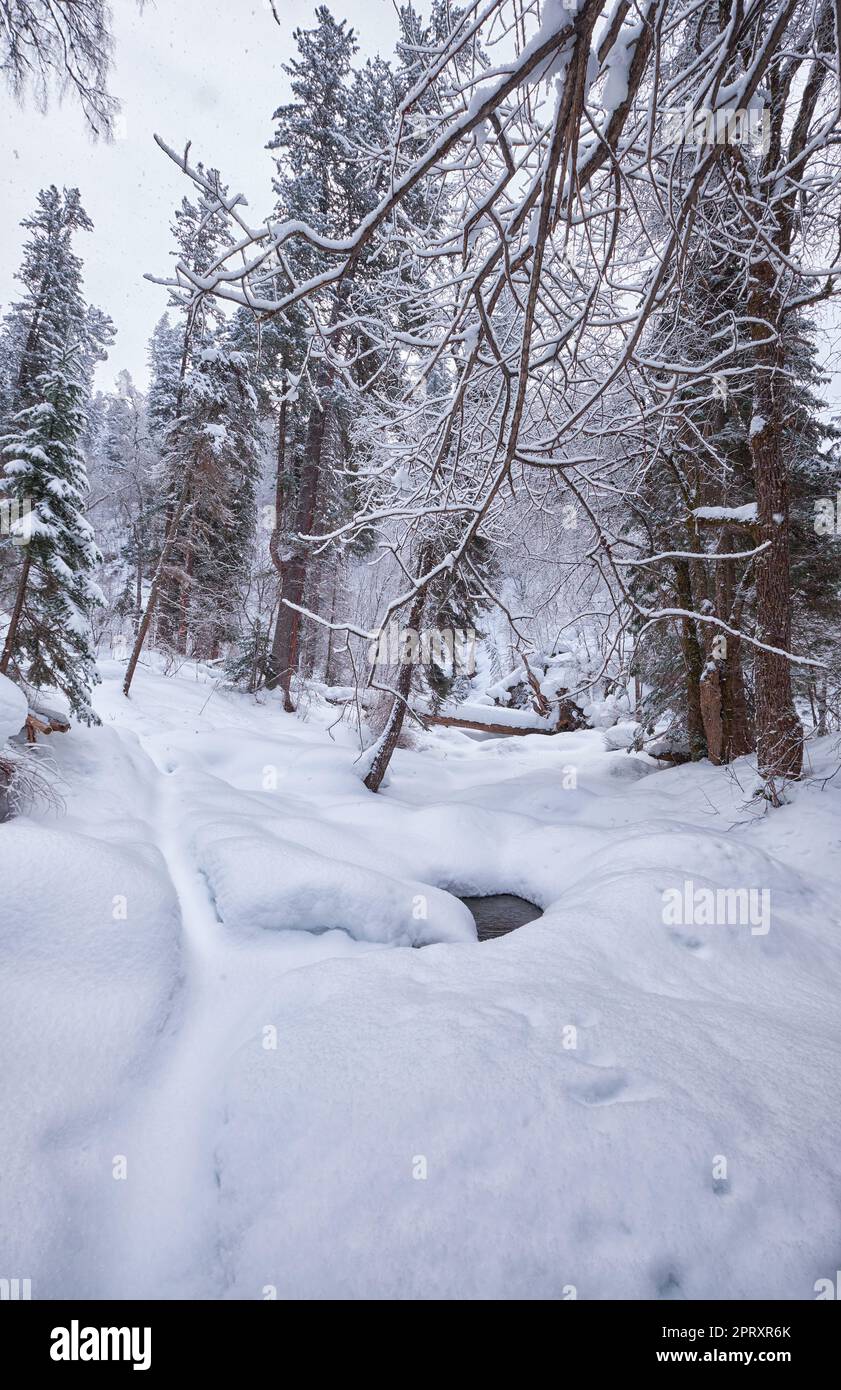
(500, 913)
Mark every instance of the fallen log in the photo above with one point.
(43, 722)
(450, 722)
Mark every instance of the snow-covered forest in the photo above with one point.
(472, 531)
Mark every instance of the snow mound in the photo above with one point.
(89, 964)
(13, 709)
(261, 883)
(621, 735)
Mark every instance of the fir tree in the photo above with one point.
(52, 310)
(165, 352)
(212, 448)
(123, 478)
(314, 179)
(48, 642)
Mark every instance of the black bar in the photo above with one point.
(595, 1336)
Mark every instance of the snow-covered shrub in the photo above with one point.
(22, 781)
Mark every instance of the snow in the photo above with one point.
(618, 66)
(331, 1117)
(13, 709)
(484, 712)
(261, 883)
(745, 513)
(85, 996)
(609, 710)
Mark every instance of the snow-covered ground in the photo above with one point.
(227, 1074)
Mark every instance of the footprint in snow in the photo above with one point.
(668, 1284)
(609, 1085)
(690, 943)
(601, 1089)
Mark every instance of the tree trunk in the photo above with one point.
(821, 726)
(397, 714)
(168, 588)
(328, 662)
(185, 590)
(283, 661)
(779, 733)
(724, 705)
(14, 622)
(693, 664)
(155, 591)
(138, 581)
(739, 732)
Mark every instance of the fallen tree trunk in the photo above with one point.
(450, 722)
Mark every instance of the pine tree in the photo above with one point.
(48, 642)
(700, 472)
(122, 477)
(215, 443)
(210, 469)
(52, 311)
(328, 142)
(165, 352)
(314, 180)
(199, 231)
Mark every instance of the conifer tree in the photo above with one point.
(48, 642)
(52, 311)
(215, 443)
(123, 483)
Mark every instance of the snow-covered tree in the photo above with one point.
(215, 443)
(52, 311)
(566, 210)
(208, 471)
(166, 348)
(121, 461)
(44, 45)
(48, 641)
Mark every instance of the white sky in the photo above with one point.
(202, 70)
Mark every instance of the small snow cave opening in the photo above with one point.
(499, 913)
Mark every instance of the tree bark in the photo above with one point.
(821, 726)
(334, 590)
(185, 590)
(693, 664)
(724, 705)
(155, 591)
(779, 733)
(138, 580)
(283, 661)
(14, 622)
(397, 714)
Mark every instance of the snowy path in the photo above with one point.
(170, 1137)
(603, 1101)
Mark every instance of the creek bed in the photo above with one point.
(499, 913)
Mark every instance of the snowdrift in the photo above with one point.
(265, 883)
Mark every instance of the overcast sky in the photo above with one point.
(202, 70)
